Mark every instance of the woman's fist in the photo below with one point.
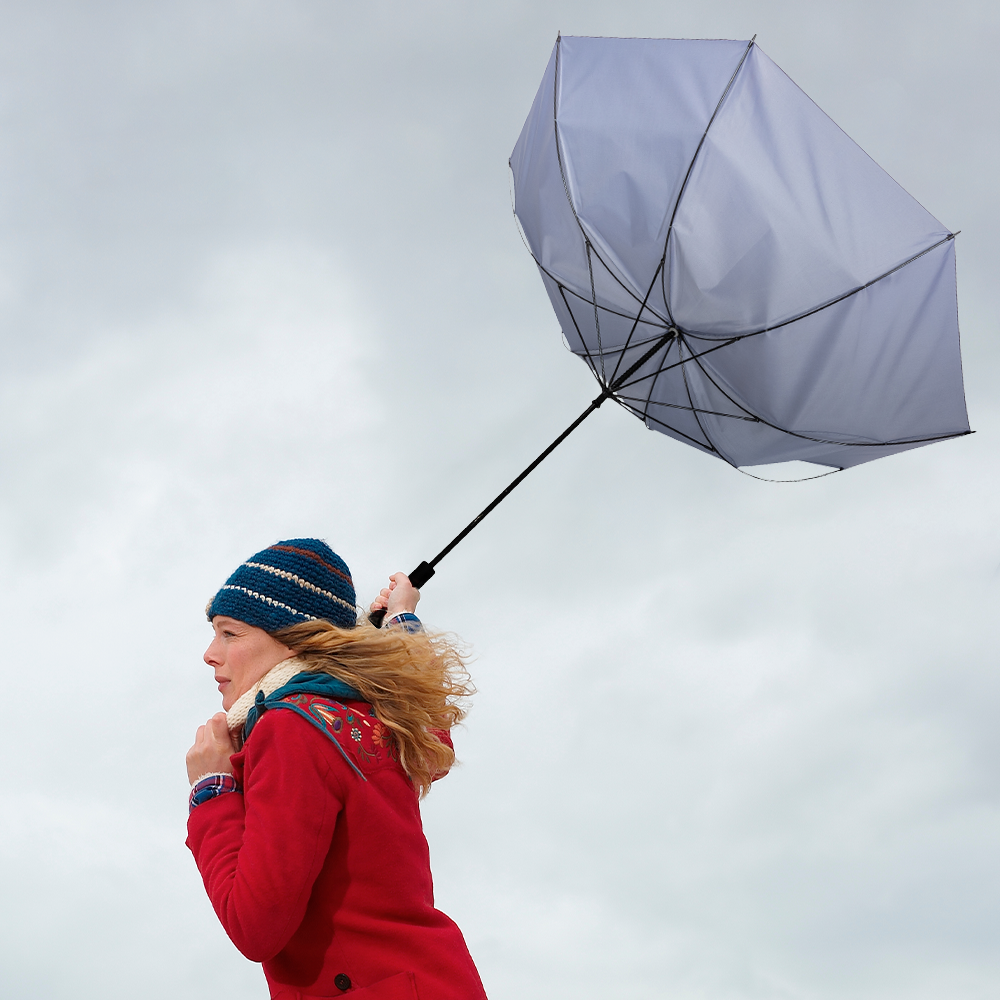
(212, 749)
(398, 597)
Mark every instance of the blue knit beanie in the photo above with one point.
(300, 580)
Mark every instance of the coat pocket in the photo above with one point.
(400, 987)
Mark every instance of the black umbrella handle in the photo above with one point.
(417, 578)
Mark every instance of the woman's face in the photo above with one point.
(241, 655)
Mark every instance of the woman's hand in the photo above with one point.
(212, 749)
(398, 597)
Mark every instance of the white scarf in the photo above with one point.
(278, 675)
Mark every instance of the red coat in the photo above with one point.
(325, 877)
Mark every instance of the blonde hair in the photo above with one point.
(416, 683)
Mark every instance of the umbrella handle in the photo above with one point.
(418, 578)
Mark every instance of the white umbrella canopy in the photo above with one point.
(735, 270)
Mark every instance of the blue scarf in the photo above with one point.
(307, 682)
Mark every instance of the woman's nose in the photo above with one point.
(211, 656)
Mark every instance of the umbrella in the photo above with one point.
(732, 267)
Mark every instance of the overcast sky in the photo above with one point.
(259, 278)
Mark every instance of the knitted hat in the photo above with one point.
(300, 580)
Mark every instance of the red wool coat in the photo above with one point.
(325, 877)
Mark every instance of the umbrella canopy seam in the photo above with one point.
(556, 78)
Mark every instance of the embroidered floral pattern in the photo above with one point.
(370, 740)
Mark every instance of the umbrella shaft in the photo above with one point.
(426, 570)
(419, 576)
(545, 454)
(423, 572)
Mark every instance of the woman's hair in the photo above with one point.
(415, 681)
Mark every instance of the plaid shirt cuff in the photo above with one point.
(408, 621)
(209, 787)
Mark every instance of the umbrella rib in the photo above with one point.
(628, 291)
(645, 410)
(818, 440)
(661, 324)
(694, 412)
(597, 318)
(635, 323)
(555, 130)
(834, 301)
(674, 430)
(569, 196)
(576, 216)
(687, 176)
(662, 266)
(588, 357)
(677, 364)
(677, 406)
(736, 403)
(663, 288)
(563, 289)
(735, 338)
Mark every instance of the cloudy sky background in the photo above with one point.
(259, 278)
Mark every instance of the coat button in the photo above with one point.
(341, 981)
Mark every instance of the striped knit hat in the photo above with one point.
(300, 580)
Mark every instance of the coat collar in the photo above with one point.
(291, 676)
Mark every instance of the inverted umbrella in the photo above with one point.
(731, 266)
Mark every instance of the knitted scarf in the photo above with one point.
(291, 676)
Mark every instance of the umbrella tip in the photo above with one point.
(754, 39)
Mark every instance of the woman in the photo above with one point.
(304, 817)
